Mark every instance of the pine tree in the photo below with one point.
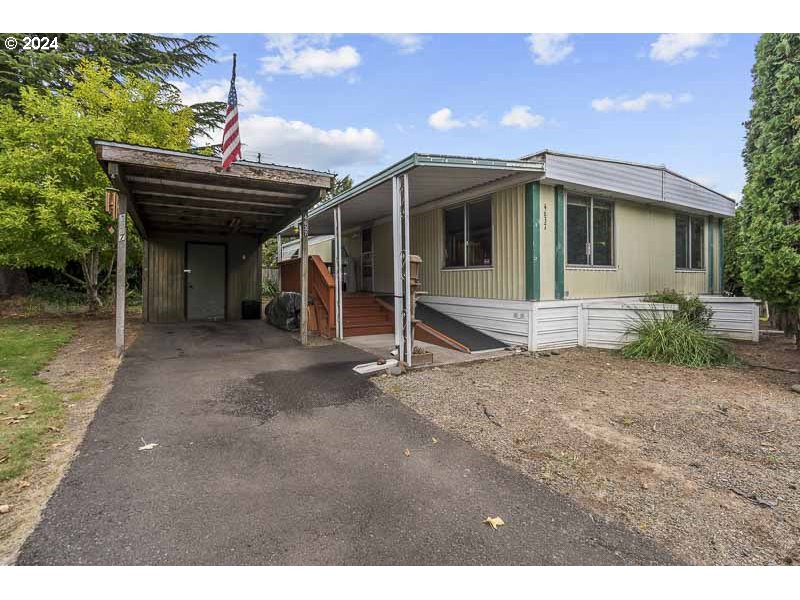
(146, 56)
(769, 235)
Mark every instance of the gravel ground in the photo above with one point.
(706, 462)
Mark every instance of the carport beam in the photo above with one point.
(304, 278)
(122, 246)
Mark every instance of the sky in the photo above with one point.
(354, 104)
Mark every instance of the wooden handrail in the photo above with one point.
(321, 287)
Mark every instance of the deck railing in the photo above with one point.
(321, 289)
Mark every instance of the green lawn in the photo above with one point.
(30, 410)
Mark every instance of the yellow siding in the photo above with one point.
(322, 249)
(505, 280)
(645, 257)
(547, 242)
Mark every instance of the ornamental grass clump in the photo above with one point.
(677, 340)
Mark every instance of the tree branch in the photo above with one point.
(73, 278)
(110, 267)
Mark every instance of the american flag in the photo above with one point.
(231, 144)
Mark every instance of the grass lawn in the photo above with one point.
(29, 409)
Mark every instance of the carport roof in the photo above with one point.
(432, 177)
(173, 192)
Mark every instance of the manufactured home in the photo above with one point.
(550, 250)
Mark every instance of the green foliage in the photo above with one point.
(57, 294)
(675, 340)
(155, 58)
(732, 270)
(24, 349)
(52, 188)
(269, 288)
(690, 308)
(768, 246)
(269, 253)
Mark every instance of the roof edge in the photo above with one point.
(662, 167)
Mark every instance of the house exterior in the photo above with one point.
(501, 243)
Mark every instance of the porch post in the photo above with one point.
(337, 252)
(122, 247)
(402, 279)
(304, 278)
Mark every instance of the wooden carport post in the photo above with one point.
(304, 278)
(122, 247)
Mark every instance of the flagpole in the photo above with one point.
(234, 66)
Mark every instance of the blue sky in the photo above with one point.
(356, 103)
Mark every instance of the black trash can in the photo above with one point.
(251, 309)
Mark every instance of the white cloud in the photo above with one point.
(735, 195)
(301, 144)
(678, 47)
(307, 55)
(443, 120)
(549, 48)
(406, 43)
(249, 92)
(641, 102)
(522, 117)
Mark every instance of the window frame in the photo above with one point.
(689, 236)
(465, 205)
(590, 226)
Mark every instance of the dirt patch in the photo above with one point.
(82, 372)
(706, 462)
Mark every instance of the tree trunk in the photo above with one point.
(90, 265)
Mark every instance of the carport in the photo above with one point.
(202, 227)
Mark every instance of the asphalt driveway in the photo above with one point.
(269, 453)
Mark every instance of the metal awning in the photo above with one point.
(183, 193)
(431, 177)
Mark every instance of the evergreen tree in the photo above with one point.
(147, 56)
(769, 234)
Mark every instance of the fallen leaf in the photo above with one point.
(434, 440)
(23, 484)
(494, 522)
(149, 446)
(53, 429)
(407, 452)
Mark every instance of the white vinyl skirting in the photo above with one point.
(596, 323)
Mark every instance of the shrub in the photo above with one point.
(57, 294)
(690, 308)
(676, 340)
(269, 288)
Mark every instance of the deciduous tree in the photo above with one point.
(52, 188)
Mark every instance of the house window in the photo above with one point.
(689, 242)
(590, 231)
(468, 235)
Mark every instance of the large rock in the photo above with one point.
(13, 282)
(284, 311)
